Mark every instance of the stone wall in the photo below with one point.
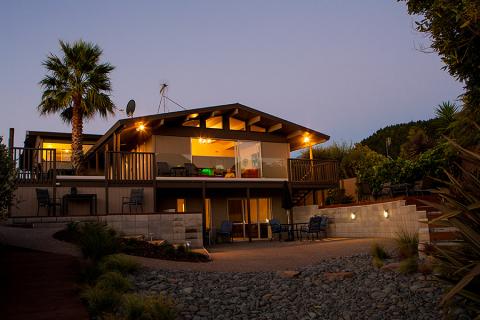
(369, 220)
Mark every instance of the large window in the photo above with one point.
(63, 151)
(214, 122)
(236, 124)
(249, 161)
(214, 157)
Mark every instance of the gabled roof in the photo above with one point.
(294, 133)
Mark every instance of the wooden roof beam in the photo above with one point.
(275, 127)
(253, 120)
(295, 134)
(234, 112)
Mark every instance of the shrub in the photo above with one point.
(7, 178)
(120, 263)
(407, 244)
(114, 281)
(97, 240)
(136, 307)
(379, 251)
(409, 265)
(90, 273)
(100, 300)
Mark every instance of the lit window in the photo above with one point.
(214, 123)
(257, 129)
(192, 123)
(236, 124)
(63, 151)
(180, 205)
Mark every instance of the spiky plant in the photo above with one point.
(460, 207)
(78, 87)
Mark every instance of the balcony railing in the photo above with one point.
(34, 165)
(129, 166)
(313, 171)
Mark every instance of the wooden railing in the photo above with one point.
(34, 165)
(313, 171)
(123, 167)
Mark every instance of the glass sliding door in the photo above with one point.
(260, 214)
(249, 160)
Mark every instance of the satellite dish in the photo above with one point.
(130, 108)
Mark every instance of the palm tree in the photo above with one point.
(78, 87)
(445, 116)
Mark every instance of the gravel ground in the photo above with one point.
(366, 293)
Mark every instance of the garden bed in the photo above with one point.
(137, 247)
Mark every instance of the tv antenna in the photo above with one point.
(164, 99)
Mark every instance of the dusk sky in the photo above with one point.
(345, 68)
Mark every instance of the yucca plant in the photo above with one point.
(460, 207)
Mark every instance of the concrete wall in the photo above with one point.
(369, 219)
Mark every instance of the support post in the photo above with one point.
(315, 197)
(249, 217)
(11, 138)
(97, 163)
(204, 214)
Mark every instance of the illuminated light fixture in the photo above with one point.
(140, 127)
(205, 140)
(193, 115)
(306, 139)
(386, 214)
(353, 216)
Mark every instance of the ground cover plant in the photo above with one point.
(97, 240)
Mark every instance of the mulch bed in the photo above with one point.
(38, 285)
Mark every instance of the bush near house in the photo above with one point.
(7, 179)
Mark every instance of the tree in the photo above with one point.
(446, 114)
(7, 178)
(454, 30)
(77, 86)
(417, 143)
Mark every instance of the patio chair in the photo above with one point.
(44, 201)
(136, 199)
(226, 230)
(191, 169)
(163, 169)
(277, 227)
(316, 225)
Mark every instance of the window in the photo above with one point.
(248, 159)
(257, 129)
(214, 123)
(236, 124)
(63, 151)
(214, 157)
(180, 205)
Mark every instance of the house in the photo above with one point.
(197, 168)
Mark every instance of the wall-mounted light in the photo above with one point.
(140, 126)
(386, 214)
(306, 139)
(353, 216)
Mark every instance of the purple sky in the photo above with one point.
(345, 68)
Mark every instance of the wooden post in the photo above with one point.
(204, 213)
(315, 198)
(11, 138)
(249, 217)
(97, 163)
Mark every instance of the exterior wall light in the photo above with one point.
(353, 216)
(140, 127)
(306, 139)
(386, 214)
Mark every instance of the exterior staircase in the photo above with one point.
(433, 233)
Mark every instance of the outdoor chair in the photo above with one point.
(163, 169)
(226, 230)
(44, 201)
(316, 225)
(278, 228)
(136, 200)
(191, 169)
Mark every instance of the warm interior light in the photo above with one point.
(140, 126)
(205, 140)
(353, 216)
(306, 139)
(193, 115)
(385, 214)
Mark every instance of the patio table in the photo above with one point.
(293, 228)
(91, 198)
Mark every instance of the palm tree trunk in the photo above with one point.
(77, 137)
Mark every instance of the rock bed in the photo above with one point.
(361, 292)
